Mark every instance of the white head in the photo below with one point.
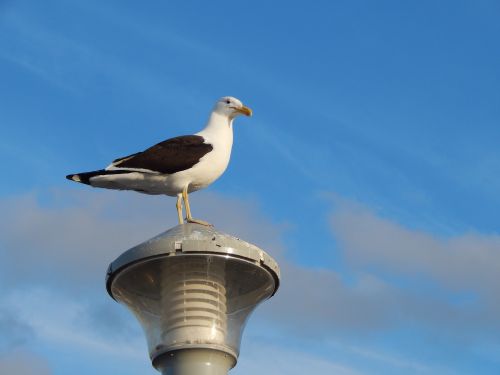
(231, 107)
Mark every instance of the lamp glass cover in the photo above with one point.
(193, 300)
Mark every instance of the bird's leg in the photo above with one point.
(189, 218)
(178, 205)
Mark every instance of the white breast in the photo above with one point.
(218, 133)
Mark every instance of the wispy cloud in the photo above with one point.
(395, 362)
(57, 319)
(278, 360)
(15, 331)
(70, 63)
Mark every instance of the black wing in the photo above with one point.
(170, 156)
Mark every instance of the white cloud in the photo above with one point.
(68, 242)
(23, 363)
(74, 243)
(65, 242)
(61, 244)
(448, 283)
(468, 262)
(73, 236)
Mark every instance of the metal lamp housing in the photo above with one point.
(192, 289)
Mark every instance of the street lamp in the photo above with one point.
(192, 289)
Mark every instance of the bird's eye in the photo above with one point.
(228, 101)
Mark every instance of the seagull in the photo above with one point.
(177, 166)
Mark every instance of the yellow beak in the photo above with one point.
(245, 110)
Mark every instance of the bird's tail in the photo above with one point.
(85, 177)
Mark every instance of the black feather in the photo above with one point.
(170, 156)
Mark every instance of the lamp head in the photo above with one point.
(193, 288)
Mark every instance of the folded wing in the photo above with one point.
(170, 156)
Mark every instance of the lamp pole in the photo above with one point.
(192, 288)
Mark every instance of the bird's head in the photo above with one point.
(231, 107)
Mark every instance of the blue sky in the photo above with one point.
(370, 170)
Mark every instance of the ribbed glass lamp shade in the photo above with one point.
(193, 288)
(193, 300)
